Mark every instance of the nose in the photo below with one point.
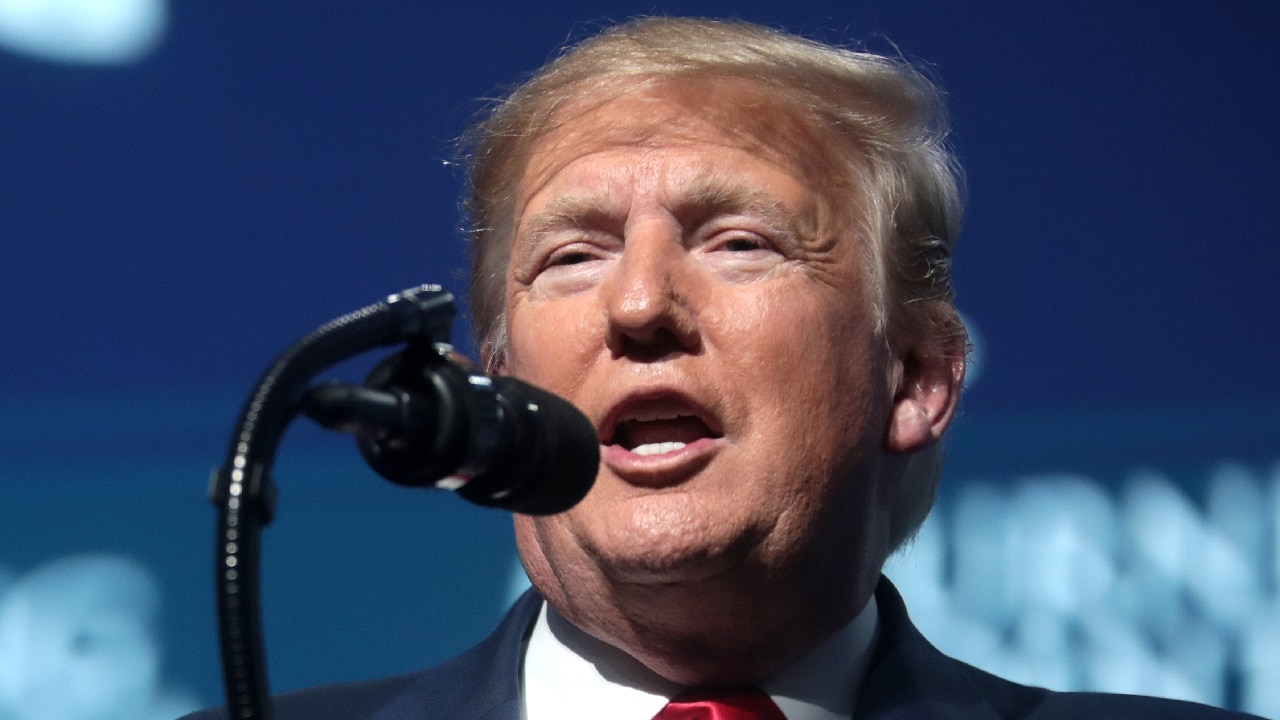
(647, 297)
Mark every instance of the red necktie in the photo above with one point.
(745, 704)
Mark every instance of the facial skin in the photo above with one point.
(679, 275)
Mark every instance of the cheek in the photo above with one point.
(815, 389)
(550, 343)
(796, 335)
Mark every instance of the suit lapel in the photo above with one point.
(909, 679)
(481, 684)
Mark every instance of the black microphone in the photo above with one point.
(424, 418)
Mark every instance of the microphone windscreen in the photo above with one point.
(553, 461)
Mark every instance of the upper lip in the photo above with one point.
(653, 404)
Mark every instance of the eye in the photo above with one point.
(741, 255)
(571, 257)
(743, 244)
(572, 267)
(739, 242)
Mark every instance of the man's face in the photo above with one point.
(678, 273)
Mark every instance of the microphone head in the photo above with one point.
(552, 462)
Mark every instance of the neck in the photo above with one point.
(713, 633)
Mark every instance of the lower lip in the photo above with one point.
(662, 470)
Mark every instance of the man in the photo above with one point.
(730, 248)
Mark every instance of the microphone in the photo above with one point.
(424, 418)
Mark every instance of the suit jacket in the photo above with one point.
(908, 679)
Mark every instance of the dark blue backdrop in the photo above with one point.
(170, 225)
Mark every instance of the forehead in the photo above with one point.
(674, 115)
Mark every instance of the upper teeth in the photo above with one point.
(657, 448)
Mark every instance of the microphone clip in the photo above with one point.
(422, 417)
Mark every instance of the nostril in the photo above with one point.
(650, 345)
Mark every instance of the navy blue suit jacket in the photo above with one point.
(908, 680)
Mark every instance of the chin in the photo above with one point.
(661, 550)
(673, 566)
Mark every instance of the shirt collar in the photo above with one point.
(570, 675)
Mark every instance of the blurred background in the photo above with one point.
(188, 187)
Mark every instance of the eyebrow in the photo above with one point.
(562, 213)
(571, 211)
(711, 194)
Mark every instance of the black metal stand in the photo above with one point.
(242, 488)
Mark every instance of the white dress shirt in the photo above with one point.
(569, 675)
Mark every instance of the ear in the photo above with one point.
(925, 396)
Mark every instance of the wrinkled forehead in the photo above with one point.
(668, 114)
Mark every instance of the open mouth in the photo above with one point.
(660, 426)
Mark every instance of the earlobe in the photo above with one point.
(927, 392)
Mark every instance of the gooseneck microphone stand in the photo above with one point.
(422, 418)
(242, 488)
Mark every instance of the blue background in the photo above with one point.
(168, 226)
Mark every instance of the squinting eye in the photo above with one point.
(739, 255)
(742, 245)
(571, 258)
